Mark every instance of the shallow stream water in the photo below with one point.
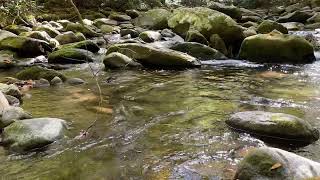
(163, 124)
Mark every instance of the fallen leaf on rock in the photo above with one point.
(276, 166)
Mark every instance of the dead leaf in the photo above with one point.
(276, 166)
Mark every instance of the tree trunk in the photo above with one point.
(76, 10)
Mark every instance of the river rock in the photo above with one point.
(196, 36)
(85, 30)
(13, 101)
(132, 32)
(272, 163)
(231, 11)
(150, 36)
(155, 57)
(293, 26)
(11, 114)
(17, 29)
(276, 47)
(36, 73)
(41, 35)
(56, 81)
(132, 13)
(287, 128)
(67, 37)
(217, 43)
(197, 50)
(107, 29)
(7, 59)
(3, 102)
(11, 90)
(4, 34)
(70, 56)
(119, 17)
(297, 16)
(155, 19)
(31, 134)
(117, 60)
(104, 21)
(207, 22)
(25, 47)
(48, 29)
(315, 18)
(88, 45)
(268, 26)
(75, 81)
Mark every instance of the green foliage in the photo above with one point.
(18, 8)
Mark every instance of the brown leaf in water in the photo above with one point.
(276, 166)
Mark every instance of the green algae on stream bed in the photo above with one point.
(161, 124)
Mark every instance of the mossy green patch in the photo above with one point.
(35, 73)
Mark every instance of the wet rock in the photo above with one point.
(119, 17)
(36, 73)
(117, 60)
(196, 36)
(33, 134)
(132, 32)
(71, 56)
(41, 83)
(167, 33)
(217, 43)
(25, 47)
(132, 13)
(283, 127)
(155, 57)
(155, 19)
(150, 36)
(3, 102)
(56, 81)
(40, 35)
(249, 32)
(75, 81)
(126, 26)
(48, 29)
(207, 22)
(232, 11)
(250, 24)
(85, 30)
(17, 29)
(7, 59)
(297, 16)
(199, 51)
(11, 114)
(13, 101)
(268, 26)
(272, 163)
(315, 18)
(293, 26)
(4, 34)
(277, 48)
(67, 37)
(11, 90)
(251, 18)
(86, 45)
(105, 21)
(312, 26)
(107, 29)
(56, 25)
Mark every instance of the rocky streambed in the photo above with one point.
(188, 93)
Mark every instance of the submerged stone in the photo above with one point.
(36, 73)
(117, 60)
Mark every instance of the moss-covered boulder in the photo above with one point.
(70, 56)
(207, 22)
(67, 37)
(48, 29)
(155, 19)
(86, 45)
(150, 36)
(283, 127)
(199, 51)
(196, 36)
(297, 16)
(85, 30)
(107, 29)
(155, 57)
(117, 60)
(276, 47)
(36, 73)
(104, 21)
(25, 47)
(33, 134)
(12, 114)
(132, 13)
(17, 29)
(119, 17)
(41, 35)
(11, 90)
(217, 43)
(231, 11)
(268, 26)
(273, 163)
(4, 34)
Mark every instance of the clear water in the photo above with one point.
(163, 124)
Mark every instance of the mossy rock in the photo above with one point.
(207, 22)
(232, 11)
(196, 36)
(276, 47)
(4, 34)
(282, 127)
(85, 30)
(155, 19)
(297, 16)
(268, 26)
(119, 17)
(86, 45)
(150, 36)
(36, 73)
(104, 21)
(41, 35)
(155, 57)
(50, 30)
(107, 28)
(25, 47)
(7, 59)
(11, 90)
(71, 56)
(17, 29)
(197, 50)
(117, 60)
(273, 163)
(217, 43)
(67, 37)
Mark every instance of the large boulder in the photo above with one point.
(86, 45)
(11, 114)
(272, 163)
(231, 11)
(33, 134)
(48, 29)
(4, 34)
(196, 36)
(207, 22)
(70, 56)
(41, 35)
(25, 47)
(199, 51)
(155, 19)
(276, 47)
(283, 127)
(297, 16)
(11, 90)
(117, 60)
(268, 26)
(17, 29)
(84, 29)
(36, 73)
(155, 57)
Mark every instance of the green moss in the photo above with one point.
(85, 30)
(86, 45)
(153, 19)
(36, 73)
(268, 26)
(17, 29)
(71, 56)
